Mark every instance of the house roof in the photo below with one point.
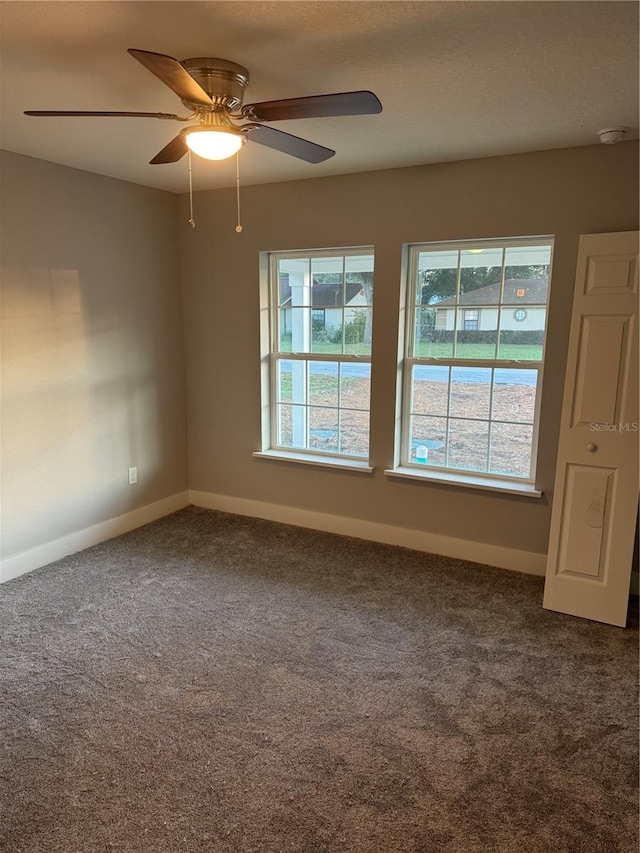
(517, 291)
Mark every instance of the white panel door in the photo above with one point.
(595, 501)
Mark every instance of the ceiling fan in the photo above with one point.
(213, 90)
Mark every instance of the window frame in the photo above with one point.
(470, 316)
(404, 466)
(272, 354)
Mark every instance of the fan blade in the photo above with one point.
(171, 153)
(288, 144)
(173, 75)
(111, 114)
(315, 106)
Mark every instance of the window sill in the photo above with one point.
(356, 465)
(467, 481)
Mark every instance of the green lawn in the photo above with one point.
(427, 349)
(323, 389)
(327, 348)
(520, 352)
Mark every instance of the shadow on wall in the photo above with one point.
(76, 399)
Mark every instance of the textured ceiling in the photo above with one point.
(457, 80)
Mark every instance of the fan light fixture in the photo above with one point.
(214, 143)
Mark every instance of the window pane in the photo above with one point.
(437, 277)
(432, 341)
(360, 268)
(291, 426)
(284, 329)
(430, 389)
(327, 291)
(355, 386)
(298, 287)
(291, 270)
(354, 433)
(284, 288)
(295, 325)
(511, 449)
(514, 395)
(476, 335)
(283, 369)
(357, 330)
(298, 382)
(323, 383)
(480, 277)
(522, 332)
(323, 429)
(326, 333)
(470, 392)
(327, 276)
(468, 443)
(528, 266)
(436, 286)
(430, 435)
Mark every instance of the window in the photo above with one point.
(319, 360)
(471, 320)
(471, 381)
(441, 318)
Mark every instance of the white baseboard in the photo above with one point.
(34, 558)
(419, 540)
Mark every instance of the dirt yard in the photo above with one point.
(507, 449)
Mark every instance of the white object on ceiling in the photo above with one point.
(457, 80)
(611, 135)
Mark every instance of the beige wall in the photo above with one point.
(92, 365)
(564, 193)
(92, 347)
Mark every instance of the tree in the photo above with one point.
(366, 280)
(441, 284)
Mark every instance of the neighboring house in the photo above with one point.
(326, 304)
(523, 307)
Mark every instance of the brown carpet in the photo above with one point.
(217, 683)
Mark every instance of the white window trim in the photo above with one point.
(348, 463)
(270, 354)
(468, 481)
(403, 467)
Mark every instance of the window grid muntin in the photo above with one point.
(278, 354)
(276, 426)
(274, 291)
(411, 359)
(448, 417)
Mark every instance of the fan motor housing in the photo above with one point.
(222, 80)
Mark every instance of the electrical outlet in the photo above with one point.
(133, 476)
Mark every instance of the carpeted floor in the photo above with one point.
(217, 683)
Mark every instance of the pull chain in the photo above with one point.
(192, 221)
(238, 226)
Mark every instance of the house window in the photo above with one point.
(470, 396)
(319, 358)
(471, 320)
